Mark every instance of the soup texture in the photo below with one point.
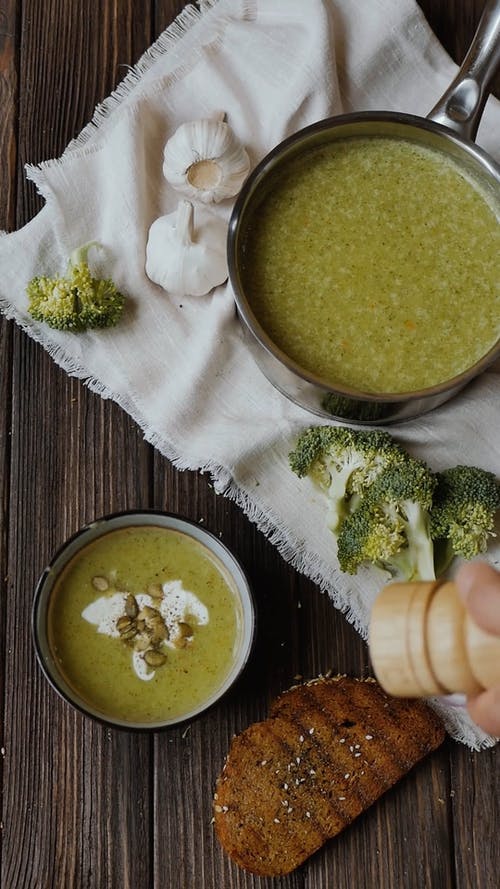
(184, 617)
(374, 264)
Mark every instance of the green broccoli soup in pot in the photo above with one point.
(373, 263)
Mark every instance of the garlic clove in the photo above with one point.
(187, 259)
(204, 160)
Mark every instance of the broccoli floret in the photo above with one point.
(76, 301)
(463, 513)
(368, 535)
(343, 463)
(391, 526)
(391, 510)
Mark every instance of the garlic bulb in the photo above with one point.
(205, 161)
(183, 261)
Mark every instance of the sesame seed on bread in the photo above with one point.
(328, 750)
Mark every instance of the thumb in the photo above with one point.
(479, 586)
(485, 711)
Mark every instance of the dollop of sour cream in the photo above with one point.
(176, 606)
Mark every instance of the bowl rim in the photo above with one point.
(279, 155)
(39, 613)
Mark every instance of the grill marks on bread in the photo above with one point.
(328, 750)
(366, 707)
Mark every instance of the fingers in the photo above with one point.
(485, 711)
(479, 585)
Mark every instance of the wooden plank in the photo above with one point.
(9, 106)
(474, 788)
(68, 783)
(164, 13)
(8, 154)
(476, 817)
(5, 582)
(76, 796)
(454, 23)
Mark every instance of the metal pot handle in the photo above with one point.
(461, 106)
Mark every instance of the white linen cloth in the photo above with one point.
(179, 366)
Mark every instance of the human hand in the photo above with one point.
(479, 586)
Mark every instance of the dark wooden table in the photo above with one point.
(88, 808)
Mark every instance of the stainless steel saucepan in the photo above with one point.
(450, 127)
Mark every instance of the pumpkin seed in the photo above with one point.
(185, 634)
(155, 590)
(131, 606)
(154, 658)
(130, 633)
(100, 584)
(185, 629)
(159, 634)
(150, 613)
(123, 623)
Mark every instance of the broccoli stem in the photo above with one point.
(419, 541)
(337, 507)
(80, 254)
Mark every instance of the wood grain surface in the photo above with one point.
(84, 807)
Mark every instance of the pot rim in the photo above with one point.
(251, 187)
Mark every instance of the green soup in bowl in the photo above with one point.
(143, 620)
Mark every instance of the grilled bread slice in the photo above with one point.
(328, 750)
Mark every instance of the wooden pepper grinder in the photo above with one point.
(423, 642)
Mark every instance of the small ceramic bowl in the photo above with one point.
(78, 666)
